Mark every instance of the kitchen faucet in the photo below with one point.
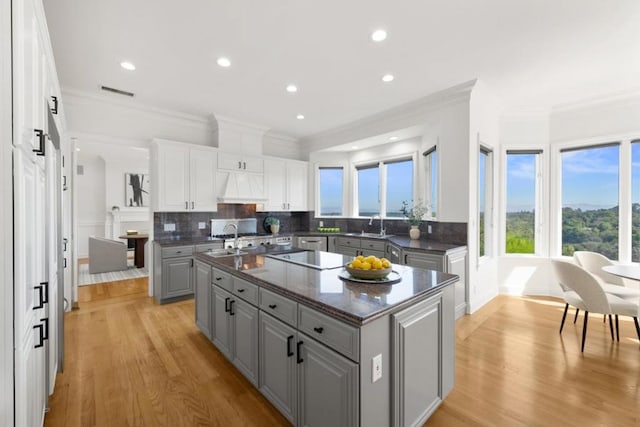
(235, 236)
(382, 230)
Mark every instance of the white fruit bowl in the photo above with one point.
(368, 274)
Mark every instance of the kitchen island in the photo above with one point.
(328, 351)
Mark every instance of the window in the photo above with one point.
(399, 186)
(368, 190)
(485, 206)
(590, 199)
(383, 186)
(635, 201)
(431, 185)
(522, 196)
(330, 191)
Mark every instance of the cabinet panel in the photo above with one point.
(245, 320)
(221, 327)
(177, 277)
(423, 260)
(278, 365)
(328, 387)
(417, 350)
(338, 335)
(274, 176)
(296, 186)
(202, 297)
(240, 162)
(202, 185)
(173, 174)
(279, 306)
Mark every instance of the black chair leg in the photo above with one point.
(564, 316)
(635, 320)
(617, 329)
(584, 329)
(576, 317)
(604, 318)
(611, 327)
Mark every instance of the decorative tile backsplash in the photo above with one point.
(186, 224)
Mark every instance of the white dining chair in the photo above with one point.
(593, 263)
(584, 291)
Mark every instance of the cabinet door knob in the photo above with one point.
(240, 290)
(319, 329)
(272, 306)
(218, 278)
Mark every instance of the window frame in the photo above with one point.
(380, 164)
(540, 208)
(345, 205)
(428, 184)
(489, 179)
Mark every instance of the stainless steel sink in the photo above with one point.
(371, 235)
(218, 253)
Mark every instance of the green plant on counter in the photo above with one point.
(273, 221)
(414, 213)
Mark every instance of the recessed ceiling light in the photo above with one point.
(224, 62)
(393, 138)
(378, 35)
(77, 149)
(388, 78)
(127, 66)
(300, 117)
(354, 147)
(292, 88)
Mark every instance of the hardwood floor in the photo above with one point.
(132, 362)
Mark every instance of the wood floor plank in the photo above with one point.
(132, 362)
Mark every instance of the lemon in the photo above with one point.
(386, 264)
(376, 264)
(356, 263)
(360, 258)
(365, 266)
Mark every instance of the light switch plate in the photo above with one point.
(201, 225)
(376, 368)
(169, 227)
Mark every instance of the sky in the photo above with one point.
(521, 181)
(590, 178)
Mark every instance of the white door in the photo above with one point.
(202, 185)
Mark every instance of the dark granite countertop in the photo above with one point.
(403, 241)
(187, 240)
(351, 302)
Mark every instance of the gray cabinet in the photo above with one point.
(234, 330)
(328, 385)
(203, 297)
(278, 367)
(423, 260)
(177, 279)
(422, 346)
(310, 384)
(174, 270)
(393, 253)
(354, 246)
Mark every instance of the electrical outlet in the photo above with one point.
(428, 229)
(169, 227)
(201, 226)
(376, 368)
(321, 223)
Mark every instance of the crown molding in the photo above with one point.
(597, 100)
(74, 95)
(236, 122)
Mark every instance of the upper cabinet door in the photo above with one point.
(274, 177)
(240, 162)
(173, 178)
(297, 186)
(203, 180)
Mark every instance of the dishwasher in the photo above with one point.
(316, 243)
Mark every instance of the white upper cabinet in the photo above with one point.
(240, 162)
(286, 185)
(184, 177)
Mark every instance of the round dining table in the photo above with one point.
(626, 271)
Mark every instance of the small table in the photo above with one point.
(628, 272)
(138, 251)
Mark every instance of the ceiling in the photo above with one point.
(532, 54)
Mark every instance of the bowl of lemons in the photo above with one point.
(369, 268)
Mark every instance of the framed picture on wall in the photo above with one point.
(136, 190)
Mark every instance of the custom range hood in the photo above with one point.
(240, 187)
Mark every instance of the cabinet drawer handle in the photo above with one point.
(218, 278)
(193, 205)
(45, 335)
(272, 306)
(239, 165)
(231, 313)
(299, 349)
(41, 297)
(241, 290)
(319, 330)
(40, 336)
(289, 342)
(226, 305)
(178, 252)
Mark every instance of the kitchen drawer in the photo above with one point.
(209, 247)
(245, 290)
(343, 338)
(279, 306)
(348, 241)
(374, 245)
(221, 279)
(176, 251)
